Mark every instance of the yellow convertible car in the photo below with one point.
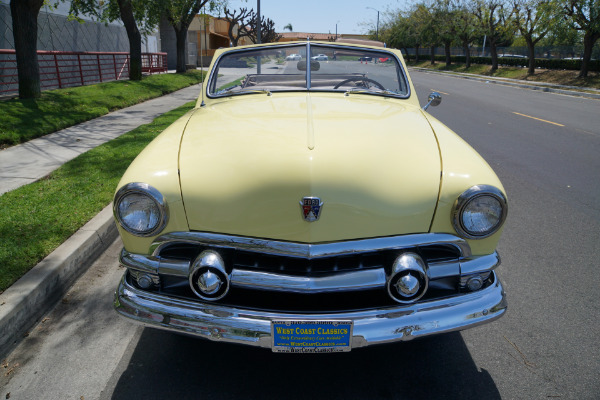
(309, 204)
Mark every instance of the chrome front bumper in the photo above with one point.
(252, 327)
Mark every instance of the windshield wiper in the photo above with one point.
(226, 90)
(368, 90)
(243, 90)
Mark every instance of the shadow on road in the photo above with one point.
(169, 366)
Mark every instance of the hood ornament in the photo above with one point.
(311, 208)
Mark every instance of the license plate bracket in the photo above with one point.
(311, 336)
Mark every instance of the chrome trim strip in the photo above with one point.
(339, 282)
(308, 69)
(251, 327)
(174, 267)
(479, 264)
(310, 251)
(139, 262)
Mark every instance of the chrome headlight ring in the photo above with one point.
(156, 210)
(480, 193)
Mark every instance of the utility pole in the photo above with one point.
(377, 29)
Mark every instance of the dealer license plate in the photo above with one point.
(311, 336)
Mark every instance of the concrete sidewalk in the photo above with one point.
(28, 162)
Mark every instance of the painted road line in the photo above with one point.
(439, 91)
(538, 119)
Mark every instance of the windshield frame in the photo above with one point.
(212, 93)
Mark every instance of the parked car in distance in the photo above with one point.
(320, 57)
(293, 57)
(309, 207)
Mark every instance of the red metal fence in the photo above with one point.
(59, 69)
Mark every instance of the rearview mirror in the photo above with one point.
(314, 65)
(434, 100)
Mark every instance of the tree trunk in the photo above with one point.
(467, 54)
(531, 54)
(432, 55)
(447, 52)
(494, 53)
(25, 29)
(135, 40)
(181, 35)
(589, 40)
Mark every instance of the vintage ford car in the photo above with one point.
(307, 206)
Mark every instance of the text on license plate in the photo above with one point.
(311, 336)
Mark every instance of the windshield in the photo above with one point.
(334, 68)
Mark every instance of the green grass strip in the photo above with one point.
(559, 77)
(39, 217)
(23, 120)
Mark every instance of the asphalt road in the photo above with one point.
(544, 147)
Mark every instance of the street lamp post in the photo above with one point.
(258, 21)
(377, 29)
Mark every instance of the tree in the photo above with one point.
(584, 16)
(495, 22)
(180, 14)
(25, 29)
(135, 39)
(533, 20)
(427, 25)
(237, 19)
(467, 29)
(289, 27)
(267, 30)
(138, 16)
(443, 15)
(402, 33)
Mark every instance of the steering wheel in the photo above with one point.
(365, 81)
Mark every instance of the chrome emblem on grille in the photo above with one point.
(311, 208)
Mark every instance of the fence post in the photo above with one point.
(57, 71)
(99, 67)
(115, 65)
(80, 69)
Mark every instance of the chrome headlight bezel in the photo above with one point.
(151, 193)
(466, 198)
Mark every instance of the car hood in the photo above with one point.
(247, 162)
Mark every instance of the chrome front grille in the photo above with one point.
(306, 277)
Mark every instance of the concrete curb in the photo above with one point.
(544, 87)
(28, 299)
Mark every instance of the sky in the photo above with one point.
(321, 16)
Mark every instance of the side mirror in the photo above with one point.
(314, 65)
(434, 99)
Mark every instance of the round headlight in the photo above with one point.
(479, 212)
(140, 209)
